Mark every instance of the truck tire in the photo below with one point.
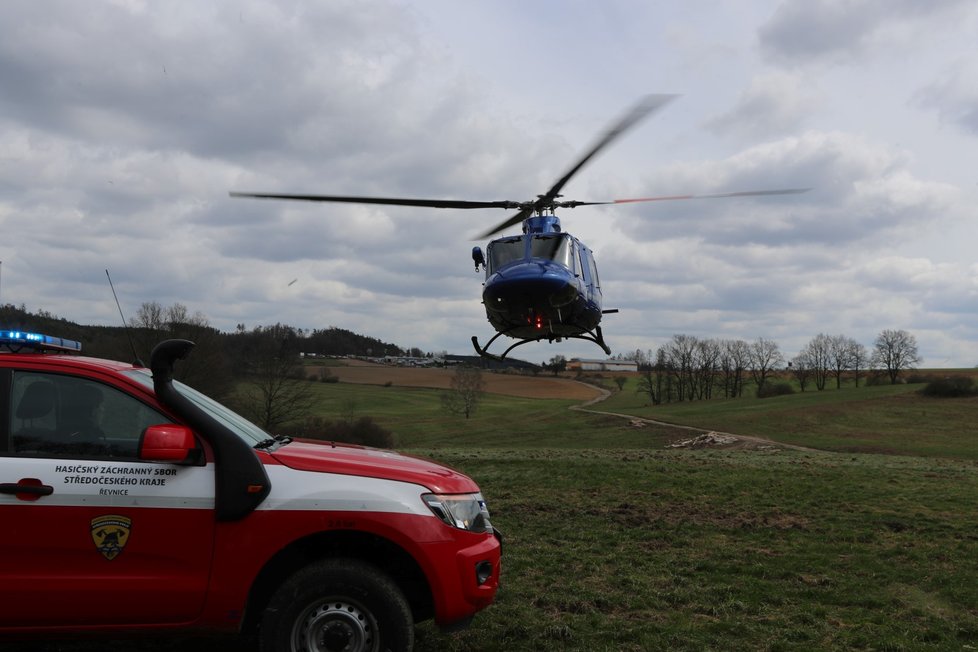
(337, 604)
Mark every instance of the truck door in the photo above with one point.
(90, 534)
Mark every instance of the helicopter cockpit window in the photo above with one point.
(504, 251)
(556, 247)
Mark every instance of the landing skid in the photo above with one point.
(596, 337)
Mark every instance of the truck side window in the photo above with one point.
(57, 415)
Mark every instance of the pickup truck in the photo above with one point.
(132, 504)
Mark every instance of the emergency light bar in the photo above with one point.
(17, 340)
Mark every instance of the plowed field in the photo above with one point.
(543, 386)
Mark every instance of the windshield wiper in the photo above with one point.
(272, 442)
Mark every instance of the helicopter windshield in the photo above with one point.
(504, 251)
(555, 247)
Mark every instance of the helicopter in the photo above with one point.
(542, 284)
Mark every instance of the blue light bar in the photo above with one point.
(16, 340)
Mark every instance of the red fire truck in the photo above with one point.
(130, 503)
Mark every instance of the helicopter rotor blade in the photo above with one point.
(524, 213)
(646, 106)
(719, 195)
(387, 201)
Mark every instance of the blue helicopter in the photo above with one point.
(542, 285)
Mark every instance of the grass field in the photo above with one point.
(690, 550)
(614, 542)
(878, 419)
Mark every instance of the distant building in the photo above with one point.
(576, 364)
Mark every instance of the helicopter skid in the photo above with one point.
(596, 337)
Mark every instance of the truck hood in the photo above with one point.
(348, 459)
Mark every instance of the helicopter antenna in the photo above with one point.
(135, 356)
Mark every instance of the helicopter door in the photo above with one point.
(590, 272)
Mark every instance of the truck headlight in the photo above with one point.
(464, 511)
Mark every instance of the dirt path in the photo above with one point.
(699, 438)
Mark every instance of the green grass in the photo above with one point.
(889, 419)
(682, 550)
(614, 542)
(418, 419)
(879, 419)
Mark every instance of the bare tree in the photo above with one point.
(707, 362)
(679, 355)
(842, 356)
(465, 391)
(275, 392)
(650, 384)
(207, 369)
(895, 351)
(817, 355)
(734, 361)
(657, 380)
(859, 358)
(765, 358)
(801, 369)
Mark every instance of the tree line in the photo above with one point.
(689, 368)
(257, 371)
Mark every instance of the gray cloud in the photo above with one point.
(806, 31)
(954, 95)
(123, 126)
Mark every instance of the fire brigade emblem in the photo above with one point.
(110, 534)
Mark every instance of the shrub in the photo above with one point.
(364, 431)
(918, 378)
(951, 387)
(774, 389)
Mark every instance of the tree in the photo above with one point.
(707, 363)
(276, 392)
(207, 368)
(734, 360)
(679, 356)
(895, 351)
(859, 357)
(843, 356)
(465, 391)
(557, 364)
(650, 384)
(817, 356)
(765, 358)
(801, 369)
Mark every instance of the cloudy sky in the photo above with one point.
(124, 125)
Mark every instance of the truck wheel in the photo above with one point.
(337, 605)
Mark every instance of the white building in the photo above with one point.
(577, 364)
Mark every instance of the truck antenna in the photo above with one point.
(136, 361)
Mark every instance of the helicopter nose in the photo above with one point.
(519, 294)
(563, 296)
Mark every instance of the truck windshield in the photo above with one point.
(553, 247)
(230, 419)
